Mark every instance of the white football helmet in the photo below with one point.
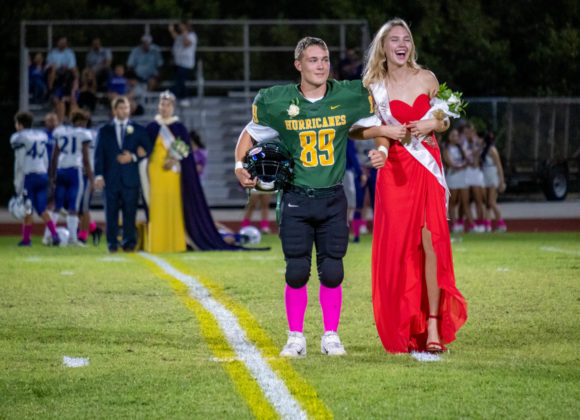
(250, 235)
(20, 206)
(63, 235)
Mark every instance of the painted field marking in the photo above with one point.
(268, 383)
(75, 361)
(231, 257)
(423, 356)
(562, 251)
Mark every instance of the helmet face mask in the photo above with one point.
(20, 206)
(271, 164)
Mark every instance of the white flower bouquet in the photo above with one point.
(179, 149)
(447, 104)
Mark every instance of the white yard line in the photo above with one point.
(273, 387)
(562, 251)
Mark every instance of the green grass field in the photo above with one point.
(150, 356)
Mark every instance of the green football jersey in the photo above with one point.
(314, 133)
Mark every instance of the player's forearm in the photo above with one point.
(365, 133)
(382, 141)
(244, 144)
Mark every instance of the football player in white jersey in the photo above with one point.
(86, 225)
(31, 172)
(70, 158)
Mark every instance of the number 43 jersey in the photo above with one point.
(30, 151)
(70, 142)
(315, 133)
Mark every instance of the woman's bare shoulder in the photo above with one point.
(429, 82)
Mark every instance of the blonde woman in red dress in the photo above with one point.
(416, 304)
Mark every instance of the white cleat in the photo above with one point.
(296, 345)
(330, 344)
(457, 228)
(75, 243)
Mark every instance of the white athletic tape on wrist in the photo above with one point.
(239, 164)
(384, 150)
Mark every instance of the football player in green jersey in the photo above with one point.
(312, 119)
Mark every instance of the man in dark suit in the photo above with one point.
(121, 144)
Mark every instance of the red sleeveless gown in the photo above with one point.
(408, 196)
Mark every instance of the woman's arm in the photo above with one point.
(446, 160)
(497, 161)
(388, 131)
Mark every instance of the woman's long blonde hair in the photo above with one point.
(375, 68)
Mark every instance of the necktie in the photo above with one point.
(122, 127)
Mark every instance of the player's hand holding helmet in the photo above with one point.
(271, 164)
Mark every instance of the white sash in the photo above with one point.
(168, 138)
(415, 147)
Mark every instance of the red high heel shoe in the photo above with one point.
(435, 346)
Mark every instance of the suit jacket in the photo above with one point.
(115, 174)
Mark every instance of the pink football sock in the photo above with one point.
(92, 227)
(265, 224)
(52, 227)
(331, 303)
(245, 222)
(356, 225)
(296, 301)
(83, 235)
(26, 233)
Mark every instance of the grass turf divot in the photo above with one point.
(209, 302)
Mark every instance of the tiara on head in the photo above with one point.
(167, 94)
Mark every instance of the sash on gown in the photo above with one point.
(415, 147)
(167, 138)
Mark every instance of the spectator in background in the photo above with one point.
(60, 62)
(36, 83)
(199, 153)
(472, 149)
(455, 176)
(87, 98)
(184, 46)
(136, 93)
(354, 178)
(145, 60)
(350, 67)
(99, 61)
(117, 85)
(62, 75)
(264, 202)
(494, 182)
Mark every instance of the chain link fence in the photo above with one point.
(538, 140)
